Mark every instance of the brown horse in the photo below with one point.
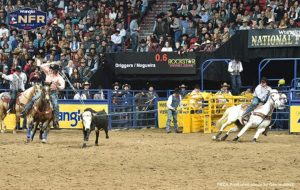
(40, 114)
(22, 99)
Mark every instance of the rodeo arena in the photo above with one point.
(150, 94)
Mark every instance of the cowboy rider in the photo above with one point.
(56, 82)
(17, 84)
(260, 95)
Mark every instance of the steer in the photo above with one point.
(92, 120)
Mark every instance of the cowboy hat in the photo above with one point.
(225, 85)
(124, 85)
(116, 84)
(86, 83)
(16, 51)
(54, 67)
(183, 86)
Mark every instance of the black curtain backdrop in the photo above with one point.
(236, 47)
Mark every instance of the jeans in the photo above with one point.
(236, 83)
(135, 39)
(117, 48)
(31, 102)
(177, 35)
(172, 113)
(54, 101)
(13, 98)
(253, 105)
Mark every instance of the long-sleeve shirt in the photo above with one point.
(262, 92)
(170, 101)
(16, 81)
(176, 24)
(134, 27)
(55, 79)
(234, 67)
(116, 39)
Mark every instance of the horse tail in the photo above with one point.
(223, 119)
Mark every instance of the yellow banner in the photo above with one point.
(69, 115)
(295, 119)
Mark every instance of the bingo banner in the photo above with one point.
(295, 119)
(69, 115)
(27, 19)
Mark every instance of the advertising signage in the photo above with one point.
(155, 63)
(27, 19)
(273, 38)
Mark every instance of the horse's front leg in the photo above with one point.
(17, 121)
(234, 129)
(34, 130)
(45, 131)
(97, 136)
(2, 125)
(217, 137)
(244, 129)
(259, 131)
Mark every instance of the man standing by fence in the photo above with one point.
(173, 102)
(235, 68)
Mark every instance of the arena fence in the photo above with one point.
(198, 114)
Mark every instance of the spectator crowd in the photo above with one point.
(204, 25)
(79, 33)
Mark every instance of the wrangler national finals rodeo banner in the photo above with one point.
(27, 19)
(69, 114)
(273, 38)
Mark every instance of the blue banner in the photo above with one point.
(27, 19)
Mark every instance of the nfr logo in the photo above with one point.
(27, 19)
(74, 117)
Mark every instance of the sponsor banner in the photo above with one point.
(27, 19)
(273, 38)
(163, 115)
(69, 115)
(295, 119)
(155, 63)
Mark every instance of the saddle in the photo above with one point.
(245, 118)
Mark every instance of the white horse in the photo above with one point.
(260, 118)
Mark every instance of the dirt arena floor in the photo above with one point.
(149, 159)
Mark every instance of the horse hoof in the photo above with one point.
(14, 132)
(214, 138)
(235, 139)
(2, 131)
(265, 133)
(44, 141)
(224, 137)
(96, 144)
(83, 145)
(254, 140)
(28, 140)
